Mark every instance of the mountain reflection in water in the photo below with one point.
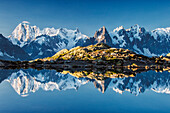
(26, 81)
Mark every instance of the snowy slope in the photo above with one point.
(23, 34)
(47, 45)
(29, 81)
(43, 43)
(46, 42)
(25, 82)
(157, 82)
(136, 38)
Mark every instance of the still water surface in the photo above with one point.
(48, 91)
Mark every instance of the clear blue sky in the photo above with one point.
(87, 15)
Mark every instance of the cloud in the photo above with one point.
(25, 22)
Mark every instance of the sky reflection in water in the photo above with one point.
(50, 91)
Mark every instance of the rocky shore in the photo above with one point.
(95, 57)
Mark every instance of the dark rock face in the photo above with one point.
(101, 36)
(8, 51)
(45, 43)
(136, 38)
(46, 46)
(150, 80)
(143, 82)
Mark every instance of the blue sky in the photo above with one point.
(87, 15)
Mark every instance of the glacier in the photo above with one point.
(46, 42)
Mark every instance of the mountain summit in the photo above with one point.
(102, 36)
(23, 34)
(46, 42)
(137, 39)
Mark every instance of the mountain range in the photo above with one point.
(29, 81)
(46, 42)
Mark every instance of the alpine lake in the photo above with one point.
(52, 91)
(92, 79)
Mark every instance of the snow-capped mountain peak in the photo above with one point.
(29, 81)
(118, 29)
(164, 32)
(24, 34)
(135, 27)
(102, 36)
(50, 31)
(44, 43)
(135, 30)
(25, 22)
(138, 39)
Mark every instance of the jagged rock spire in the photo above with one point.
(102, 36)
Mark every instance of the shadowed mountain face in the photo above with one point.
(8, 51)
(45, 43)
(100, 36)
(29, 81)
(158, 82)
(136, 39)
